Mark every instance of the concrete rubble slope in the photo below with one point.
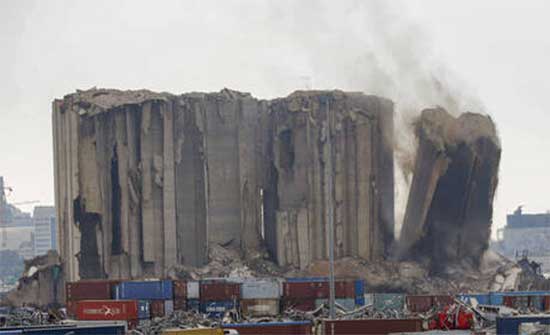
(449, 211)
(146, 182)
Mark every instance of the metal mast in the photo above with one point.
(330, 210)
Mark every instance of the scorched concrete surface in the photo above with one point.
(147, 181)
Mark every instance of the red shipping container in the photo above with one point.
(90, 290)
(371, 326)
(319, 289)
(278, 328)
(112, 310)
(180, 289)
(419, 303)
(180, 304)
(156, 308)
(219, 291)
(546, 303)
(300, 304)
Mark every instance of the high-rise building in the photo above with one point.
(45, 229)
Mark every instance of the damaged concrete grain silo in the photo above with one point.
(146, 182)
(449, 211)
(296, 194)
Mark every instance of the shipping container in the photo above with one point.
(318, 289)
(193, 291)
(125, 310)
(260, 307)
(272, 328)
(546, 303)
(372, 326)
(180, 304)
(347, 303)
(193, 304)
(90, 290)
(510, 325)
(519, 302)
(261, 289)
(475, 298)
(219, 291)
(168, 307)
(217, 309)
(180, 289)
(419, 303)
(360, 300)
(156, 308)
(359, 287)
(369, 299)
(143, 310)
(299, 304)
(196, 331)
(389, 301)
(306, 279)
(145, 290)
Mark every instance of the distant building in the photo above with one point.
(26, 249)
(45, 229)
(526, 235)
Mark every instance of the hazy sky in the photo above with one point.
(491, 55)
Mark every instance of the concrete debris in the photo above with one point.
(449, 211)
(42, 284)
(148, 182)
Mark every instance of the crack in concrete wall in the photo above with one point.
(145, 182)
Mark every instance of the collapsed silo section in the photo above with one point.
(449, 211)
(295, 198)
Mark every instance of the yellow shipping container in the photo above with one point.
(195, 331)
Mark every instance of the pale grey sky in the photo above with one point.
(491, 55)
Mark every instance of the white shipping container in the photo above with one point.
(260, 307)
(168, 307)
(193, 290)
(261, 289)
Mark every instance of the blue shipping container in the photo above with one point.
(193, 304)
(510, 325)
(144, 290)
(143, 310)
(360, 301)
(216, 309)
(359, 288)
(482, 299)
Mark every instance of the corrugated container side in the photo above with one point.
(347, 303)
(263, 289)
(193, 290)
(306, 279)
(517, 302)
(145, 290)
(180, 289)
(157, 308)
(180, 304)
(272, 328)
(124, 310)
(217, 309)
(419, 303)
(510, 325)
(389, 301)
(260, 307)
(482, 299)
(360, 300)
(300, 304)
(168, 307)
(193, 304)
(496, 298)
(547, 303)
(441, 301)
(90, 290)
(359, 287)
(369, 299)
(219, 291)
(143, 310)
(371, 326)
(318, 289)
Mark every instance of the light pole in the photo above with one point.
(330, 210)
